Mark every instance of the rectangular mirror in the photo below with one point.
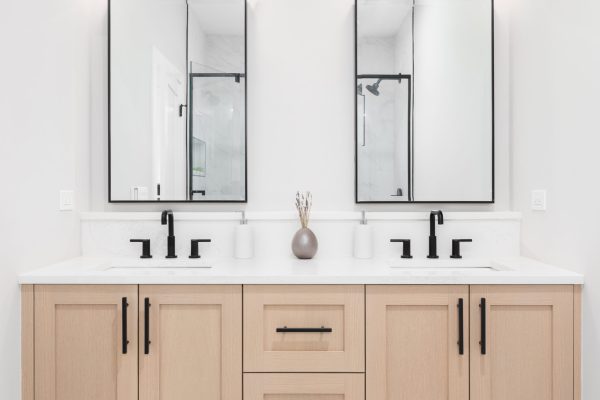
(177, 93)
(424, 101)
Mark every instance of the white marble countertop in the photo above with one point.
(83, 270)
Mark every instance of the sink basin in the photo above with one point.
(161, 263)
(445, 264)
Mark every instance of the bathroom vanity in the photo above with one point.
(106, 328)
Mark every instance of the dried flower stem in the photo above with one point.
(304, 205)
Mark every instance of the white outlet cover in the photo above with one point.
(538, 200)
(66, 200)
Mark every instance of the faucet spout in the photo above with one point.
(432, 237)
(167, 218)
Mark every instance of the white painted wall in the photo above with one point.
(44, 146)
(555, 99)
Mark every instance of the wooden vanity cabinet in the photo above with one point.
(426, 342)
(80, 342)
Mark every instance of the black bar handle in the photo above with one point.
(461, 329)
(124, 306)
(322, 329)
(147, 326)
(483, 343)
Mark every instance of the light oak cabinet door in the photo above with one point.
(304, 386)
(81, 350)
(417, 342)
(190, 343)
(522, 342)
(304, 328)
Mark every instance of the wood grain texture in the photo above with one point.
(78, 343)
(529, 342)
(304, 386)
(196, 343)
(27, 343)
(577, 293)
(412, 335)
(340, 307)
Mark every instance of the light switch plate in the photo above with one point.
(538, 200)
(66, 200)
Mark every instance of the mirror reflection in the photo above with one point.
(424, 101)
(177, 100)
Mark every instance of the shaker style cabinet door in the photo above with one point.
(297, 386)
(417, 342)
(190, 344)
(86, 342)
(521, 342)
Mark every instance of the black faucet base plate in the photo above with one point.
(171, 257)
(433, 257)
(194, 256)
(406, 256)
(145, 256)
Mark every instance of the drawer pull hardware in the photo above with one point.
(147, 326)
(124, 306)
(483, 343)
(461, 333)
(322, 329)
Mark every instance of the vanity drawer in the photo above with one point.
(304, 328)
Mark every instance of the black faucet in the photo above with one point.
(167, 217)
(432, 237)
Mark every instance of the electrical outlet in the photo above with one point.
(538, 200)
(66, 200)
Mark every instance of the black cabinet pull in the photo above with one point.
(461, 330)
(483, 343)
(147, 326)
(124, 306)
(322, 329)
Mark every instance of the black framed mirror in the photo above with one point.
(177, 101)
(424, 101)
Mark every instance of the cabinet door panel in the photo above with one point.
(79, 345)
(412, 343)
(195, 335)
(304, 386)
(528, 342)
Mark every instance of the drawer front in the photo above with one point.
(299, 328)
(304, 386)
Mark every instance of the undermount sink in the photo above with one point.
(161, 263)
(445, 264)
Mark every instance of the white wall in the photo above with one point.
(301, 112)
(555, 100)
(44, 138)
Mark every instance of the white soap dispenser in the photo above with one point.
(244, 240)
(363, 239)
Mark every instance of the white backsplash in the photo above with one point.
(494, 234)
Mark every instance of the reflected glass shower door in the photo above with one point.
(217, 137)
(383, 138)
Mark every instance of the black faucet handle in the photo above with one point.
(456, 247)
(405, 247)
(145, 247)
(194, 247)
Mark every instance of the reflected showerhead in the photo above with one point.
(359, 89)
(374, 88)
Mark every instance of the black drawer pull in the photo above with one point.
(483, 342)
(322, 329)
(147, 326)
(461, 330)
(124, 306)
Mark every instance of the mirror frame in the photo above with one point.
(187, 130)
(411, 133)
